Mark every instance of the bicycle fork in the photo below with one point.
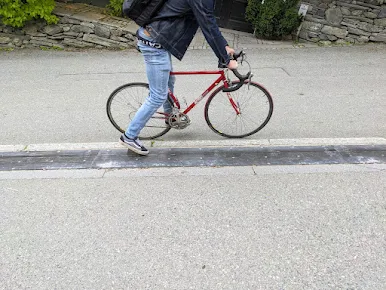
(236, 106)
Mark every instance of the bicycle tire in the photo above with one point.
(121, 113)
(224, 128)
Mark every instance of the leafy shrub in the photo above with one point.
(115, 7)
(273, 18)
(17, 12)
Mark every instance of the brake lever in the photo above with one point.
(249, 80)
(242, 78)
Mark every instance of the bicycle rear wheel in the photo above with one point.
(252, 100)
(125, 101)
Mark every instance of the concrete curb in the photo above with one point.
(189, 171)
(198, 144)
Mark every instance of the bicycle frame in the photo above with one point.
(220, 117)
(220, 79)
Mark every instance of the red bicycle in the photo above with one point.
(235, 110)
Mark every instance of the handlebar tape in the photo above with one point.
(242, 79)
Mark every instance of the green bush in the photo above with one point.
(17, 12)
(115, 7)
(273, 18)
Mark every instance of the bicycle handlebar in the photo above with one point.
(237, 55)
(242, 78)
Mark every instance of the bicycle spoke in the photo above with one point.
(227, 104)
(225, 122)
(124, 103)
(243, 122)
(249, 119)
(149, 126)
(136, 99)
(244, 102)
(253, 105)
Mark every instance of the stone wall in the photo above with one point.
(69, 32)
(326, 21)
(344, 21)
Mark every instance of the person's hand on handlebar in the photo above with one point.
(232, 64)
(230, 50)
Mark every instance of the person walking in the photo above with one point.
(170, 33)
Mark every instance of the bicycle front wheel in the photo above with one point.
(251, 110)
(125, 101)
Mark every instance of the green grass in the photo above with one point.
(7, 49)
(51, 48)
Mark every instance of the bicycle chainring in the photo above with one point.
(178, 120)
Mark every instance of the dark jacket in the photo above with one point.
(177, 22)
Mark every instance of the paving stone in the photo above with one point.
(76, 43)
(358, 31)
(338, 32)
(71, 33)
(43, 42)
(88, 24)
(81, 28)
(4, 40)
(378, 37)
(334, 16)
(66, 28)
(102, 41)
(102, 31)
(68, 20)
(370, 15)
(117, 32)
(315, 27)
(118, 38)
(382, 13)
(380, 22)
(363, 39)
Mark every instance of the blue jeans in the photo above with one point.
(158, 67)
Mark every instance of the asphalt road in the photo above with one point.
(253, 227)
(289, 227)
(59, 96)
